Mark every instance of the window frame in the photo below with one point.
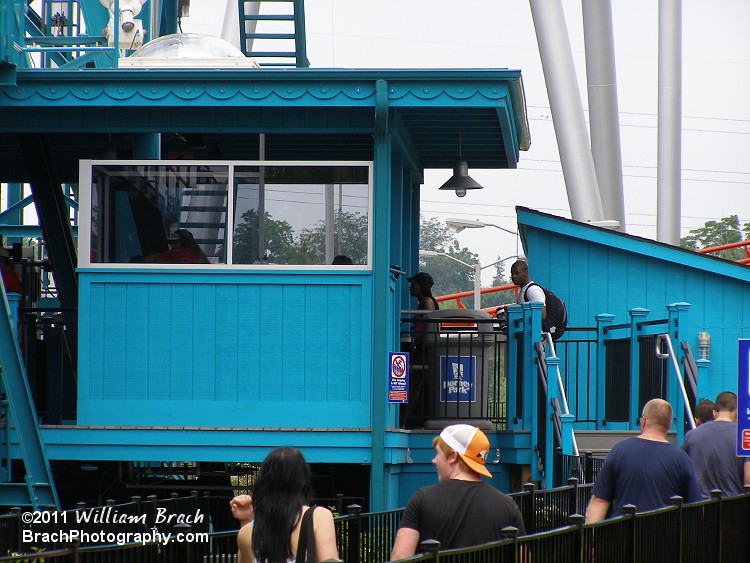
(85, 214)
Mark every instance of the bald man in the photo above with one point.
(645, 471)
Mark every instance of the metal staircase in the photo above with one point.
(273, 32)
(38, 490)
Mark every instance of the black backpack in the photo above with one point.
(557, 316)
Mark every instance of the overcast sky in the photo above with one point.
(500, 33)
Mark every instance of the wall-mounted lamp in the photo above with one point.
(704, 345)
(461, 181)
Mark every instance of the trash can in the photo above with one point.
(458, 353)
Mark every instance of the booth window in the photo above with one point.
(243, 214)
(302, 215)
(136, 211)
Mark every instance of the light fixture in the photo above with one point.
(704, 345)
(457, 225)
(461, 181)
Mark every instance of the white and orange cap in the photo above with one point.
(470, 443)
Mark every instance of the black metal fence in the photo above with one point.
(715, 529)
(584, 467)
(457, 369)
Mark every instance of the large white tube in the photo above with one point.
(668, 172)
(567, 110)
(604, 121)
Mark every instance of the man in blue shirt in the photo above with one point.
(645, 471)
(711, 448)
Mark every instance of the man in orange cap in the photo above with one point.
(460, 510)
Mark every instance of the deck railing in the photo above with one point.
(714, 528)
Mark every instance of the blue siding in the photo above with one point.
(225, 349)
(596, 271)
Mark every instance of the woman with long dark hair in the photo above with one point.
(272, 519)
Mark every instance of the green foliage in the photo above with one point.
(350, 239)
(279, 239)
(499, 297)
(307, 247)
(717, 233)
(449, 276)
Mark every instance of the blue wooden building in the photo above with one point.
(265, 344)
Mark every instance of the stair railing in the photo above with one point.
(564, 399)
(680, 383)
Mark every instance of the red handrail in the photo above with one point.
(458, 296)
(742, 243)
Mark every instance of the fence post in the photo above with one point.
(573, 496)
(529, 511)
(183, 549)
(602, 320)
(578, 520)
(588, 467)
(514, 402)
(637, 315)
(716, 495)
(430, 546)
(511, 533)
(628, 511)
(339, 504)
(16, 511)
(676, 500)
(355, 533)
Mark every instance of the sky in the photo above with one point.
(500, 34)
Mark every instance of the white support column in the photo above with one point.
(604, 121)
(669, 163)
(567, 110)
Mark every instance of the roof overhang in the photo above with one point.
(332, 110)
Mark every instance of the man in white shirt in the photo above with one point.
(519, 275)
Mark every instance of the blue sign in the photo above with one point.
(743, 399)
(398, 377)
(458, 378)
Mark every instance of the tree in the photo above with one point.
(279, 236)
(449, 276)
(716, 233)
(350, 238)
(499, 297)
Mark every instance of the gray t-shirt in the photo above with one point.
(712, 449)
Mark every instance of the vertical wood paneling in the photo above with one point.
(301, 343)
(249, 352)
(137, 340)
(203, 350)
(180, 331)
(95, 360)
(228, 342)
(316, 342)
(271, 309)
(115, 352)
(159, 357)
(293, 367)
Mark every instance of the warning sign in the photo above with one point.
(398, 377)
(743, 398)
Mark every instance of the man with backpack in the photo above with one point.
(554, 315)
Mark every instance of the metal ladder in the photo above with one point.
(284, 28)
(38, 490)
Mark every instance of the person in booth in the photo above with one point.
(182, 250)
